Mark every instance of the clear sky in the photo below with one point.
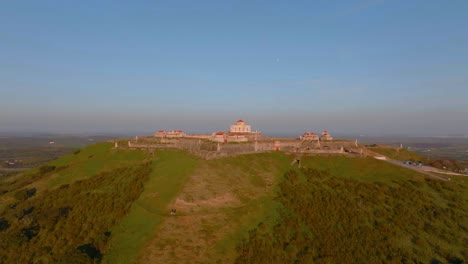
(365, 66)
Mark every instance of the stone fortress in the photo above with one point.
(241, 139)
(240, 132)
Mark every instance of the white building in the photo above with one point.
(309, 136)
(219, 137)
(223, 137)
(326, 136)
(241, 127)
(160, 133)
(237, 137)
(170, 134)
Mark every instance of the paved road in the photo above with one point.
(401, 164)
(13, 169)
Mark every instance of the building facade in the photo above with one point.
(326, 136)
(170, 134)
(219, 137)
(240, 127)
(237, 137)
(309, 136)
(223, 137)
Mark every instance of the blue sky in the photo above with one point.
(368, 67)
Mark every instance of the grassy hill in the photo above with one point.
(106, 205)
(327, 216)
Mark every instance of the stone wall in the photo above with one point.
(208, 149)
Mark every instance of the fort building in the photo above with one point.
(223, 137)
(170, 134)
(219, 137)
(309, 136)
(237, 137)
(240, 126)
(240, 132)
(326, 136)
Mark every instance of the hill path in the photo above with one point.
(220, 198)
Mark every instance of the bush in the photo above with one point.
(46, 169)
(4, 224)
(25, 194)
(92, 252)
(327, 219)
(30, 232)
(73, 220)
(21, 195)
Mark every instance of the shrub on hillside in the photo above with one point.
(26, 179)
(326, 219)
(4, 224)
(25, 194)
(72, 223)
(46, 169)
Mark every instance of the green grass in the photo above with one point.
(49, 227)
(369, 170)
(220, 202)
(92, 160)
(72, 167)
(256, 210)
(261, 210)
(170, 171)
(328, 218)
(248, 183)
(361, 169)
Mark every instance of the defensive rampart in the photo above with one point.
(209, 150)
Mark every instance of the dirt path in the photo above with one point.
(213, 206)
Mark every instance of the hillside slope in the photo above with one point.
(202, 192)
(221, 200)
(362, 211)
(64, 210)
(112, 205)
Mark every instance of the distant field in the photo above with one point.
(28, 152)
(435, 147)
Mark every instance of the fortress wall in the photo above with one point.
(234, 148)
(152, 146)
(192, 146)
(198, 136)
(210, 150)
(208, 146)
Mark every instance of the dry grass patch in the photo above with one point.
(221, 200)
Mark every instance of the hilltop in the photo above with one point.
(112, 205)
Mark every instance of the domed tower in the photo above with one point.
(326, 136)
(240, 127)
